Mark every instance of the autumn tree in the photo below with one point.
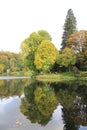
(69, 27)
(78, 42)
(29, 47)
(11, 61)
(1, 68)
(45, 56)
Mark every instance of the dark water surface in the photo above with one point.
(30, 105)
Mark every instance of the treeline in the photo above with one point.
(41, 56)
(10, 62)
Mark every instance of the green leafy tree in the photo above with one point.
(45, 35)
(46, 56)
(69, 27)
(67, 58)
(29, 47)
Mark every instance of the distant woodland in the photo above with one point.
(10, 62)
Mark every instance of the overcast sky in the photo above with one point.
(19, 18)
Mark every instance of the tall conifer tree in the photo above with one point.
(69, 27)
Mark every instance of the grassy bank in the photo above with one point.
(55, 77)
(18, 73)
(59, 77)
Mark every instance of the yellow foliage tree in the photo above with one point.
(1, 68)
(29, 47)
(45, 56)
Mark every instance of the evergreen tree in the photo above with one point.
(69, 27)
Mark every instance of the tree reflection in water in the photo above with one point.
(39, 102)
(12, 87)
(74, 100)
(41, 99)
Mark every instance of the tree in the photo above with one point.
(45, 35)
(1, 68)
(78, 42)
(11, 61)
(46, 56)
(29, 47)
(67, 58)
(69, 27)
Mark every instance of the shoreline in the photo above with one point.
(13, 77)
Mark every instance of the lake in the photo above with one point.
(26, 104)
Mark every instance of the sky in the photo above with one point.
(19, 18)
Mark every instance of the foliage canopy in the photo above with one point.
(46, 56)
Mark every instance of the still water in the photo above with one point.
(26, 104)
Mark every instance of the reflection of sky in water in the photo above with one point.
(8, 110)
(83, 128)
(57, 114)
(56, 121)
(5, 101)
(10, 114)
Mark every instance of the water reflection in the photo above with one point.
(41, 99)
(39, 102)
(73, 97)
(54, 106)
(10, 88)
